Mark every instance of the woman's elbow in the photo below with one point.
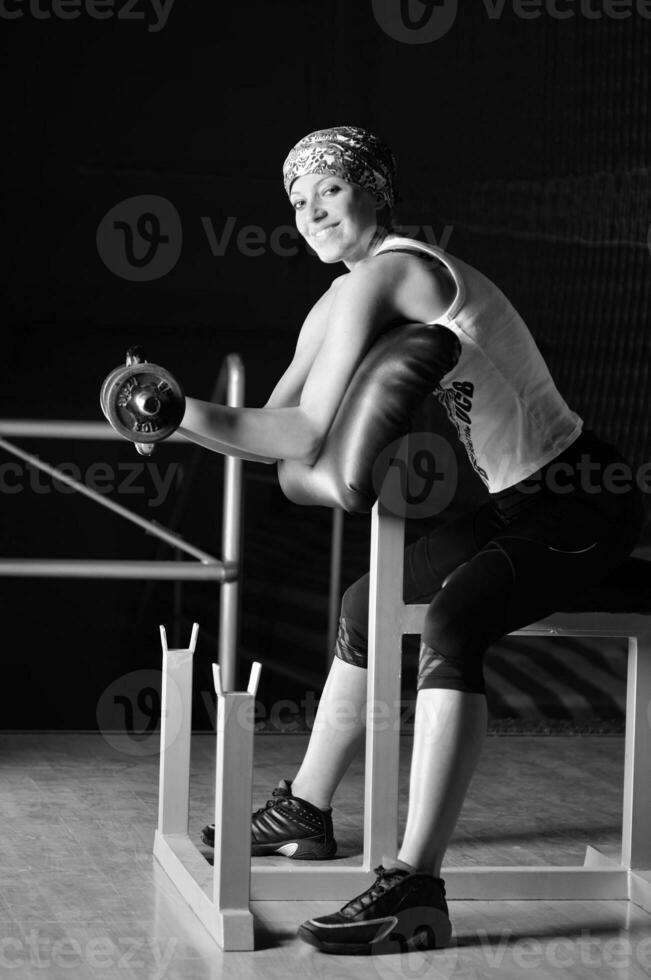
(313, 451)
(308, 440)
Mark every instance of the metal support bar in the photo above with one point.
(151, 527)
(229, 384)
(189, 571)
(65, 429)
(336, 547)
(232, 375)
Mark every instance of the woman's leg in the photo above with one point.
(451, 711)
(340, 723)
(557, 549)
(337, 734)
(448, 737)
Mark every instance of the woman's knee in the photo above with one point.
(447, 625)
(451, 673)
(351, 644)
(452, 647)
(470, 610)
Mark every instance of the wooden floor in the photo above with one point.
(81, 896)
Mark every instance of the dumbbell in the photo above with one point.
(142, 401)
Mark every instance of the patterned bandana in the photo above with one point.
(348, 152)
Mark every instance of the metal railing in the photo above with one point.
(205, 567)
(230, 385)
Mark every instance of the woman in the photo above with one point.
(546, 533)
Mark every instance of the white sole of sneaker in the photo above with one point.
(412, 929)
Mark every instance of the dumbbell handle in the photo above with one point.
(136, 355)
(145, 448)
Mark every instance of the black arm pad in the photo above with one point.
(384, 394)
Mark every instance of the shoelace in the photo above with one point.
(379, 886)
(279, 791)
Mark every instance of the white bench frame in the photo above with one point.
(603, 876)
(625, 875)
(219, 896)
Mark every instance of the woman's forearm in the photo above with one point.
(261, 434)
(215, 446)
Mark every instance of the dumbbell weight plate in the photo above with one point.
(135, 355)
(143, 402)
(108, 382)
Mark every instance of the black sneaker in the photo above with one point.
(289, 826)
(400, 912)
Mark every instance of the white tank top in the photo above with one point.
(500, 396)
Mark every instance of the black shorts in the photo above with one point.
(510, 562)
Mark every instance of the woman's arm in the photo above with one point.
(324, 361)
(219, 447)
(366, 301)
(287, 392)
(202, 426)
(259, 434)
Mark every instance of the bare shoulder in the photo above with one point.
(369, 281)
(337, 281)
(422, 288)
(315, 324)
(310, 340)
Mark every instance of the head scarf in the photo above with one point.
(349, 152)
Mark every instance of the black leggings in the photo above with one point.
(509, 563)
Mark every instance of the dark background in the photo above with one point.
(524, 141)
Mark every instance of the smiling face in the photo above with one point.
(337, 219)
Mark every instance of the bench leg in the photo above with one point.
(602, 857)
(233, 786)
(382, 761)
(176, 733)
(636, 825)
